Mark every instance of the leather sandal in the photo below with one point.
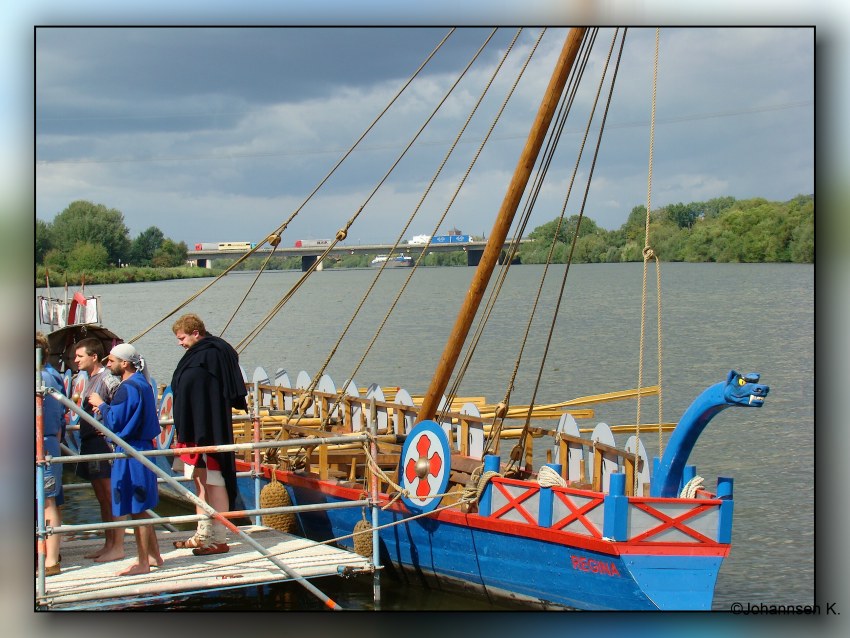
(215, 548)
(190, 543)
(52, 570)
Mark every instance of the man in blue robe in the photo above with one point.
(132, 415)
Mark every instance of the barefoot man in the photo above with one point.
(132, 415)
(88, 354)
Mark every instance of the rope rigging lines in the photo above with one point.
(274, 238)
(649, 253)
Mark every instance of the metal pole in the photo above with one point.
(197, 501)
(193, 518)
(235, 447)
(256, 430)
(39, 473)
(376, 547)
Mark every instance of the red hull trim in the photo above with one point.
(510, 528)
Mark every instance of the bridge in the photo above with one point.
(309, 254)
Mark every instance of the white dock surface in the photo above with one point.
(85, 584)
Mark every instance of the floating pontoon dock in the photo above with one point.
(257, 556)
(85, 584)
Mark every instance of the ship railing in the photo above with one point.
(463, 423)
(597, 452)
(278, 409)
(613, 516)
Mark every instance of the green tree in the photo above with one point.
(565, 231)
(170, 254)
(55, 259)
(545, 233)
(682, 215)
(144, 246)
(591, 249)
(92, 223)
(86, 257)
(714, 207)
(634, 229)
(666, 239)
(43, 240)
(802, 246)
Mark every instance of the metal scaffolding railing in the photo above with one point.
(163, 477)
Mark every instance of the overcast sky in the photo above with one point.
(218, 134)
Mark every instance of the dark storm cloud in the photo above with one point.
(109, 80)
(172, 126)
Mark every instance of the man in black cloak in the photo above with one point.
(207, 384)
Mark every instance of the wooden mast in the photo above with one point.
(502, 224)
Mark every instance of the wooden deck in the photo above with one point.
(84, 584)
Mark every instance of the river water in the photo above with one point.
(716, 317)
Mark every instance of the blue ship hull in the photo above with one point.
(511, 562)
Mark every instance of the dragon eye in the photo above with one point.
(741, 381)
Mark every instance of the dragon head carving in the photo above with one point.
(745, 389)
(737, 390)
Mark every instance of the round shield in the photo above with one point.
(77, 388)
(67, 378)
(425, 466)
(166, 409)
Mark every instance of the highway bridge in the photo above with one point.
(309, 254)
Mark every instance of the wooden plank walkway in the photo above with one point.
(84, 584)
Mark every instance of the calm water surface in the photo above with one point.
(716, 317)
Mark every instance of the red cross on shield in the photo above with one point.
(425, 465)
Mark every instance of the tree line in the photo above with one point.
(87, 236)
(719, 230)
(91, 240)
(88, 240)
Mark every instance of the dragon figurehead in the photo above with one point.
(738, 390)
(745, 389)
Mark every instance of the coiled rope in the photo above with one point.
(691, 487)
(547, 477)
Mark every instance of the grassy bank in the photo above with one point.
(119, 275)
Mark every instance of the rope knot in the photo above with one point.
(274, 239)
(341, 234)
(547, 477)
(648, 253)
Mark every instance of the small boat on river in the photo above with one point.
(397, 261)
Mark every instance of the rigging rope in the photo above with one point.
(517, 451)
(343, 232)
(566, 108)
(401, 236)
(333, 351)
(502, 408)
(447, 208)
(279, 231)
(649, 253)
(458, 188)
(501, 412)
(274, 241)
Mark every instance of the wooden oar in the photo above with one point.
(540, 412)
(644, 427)
(608, 396)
